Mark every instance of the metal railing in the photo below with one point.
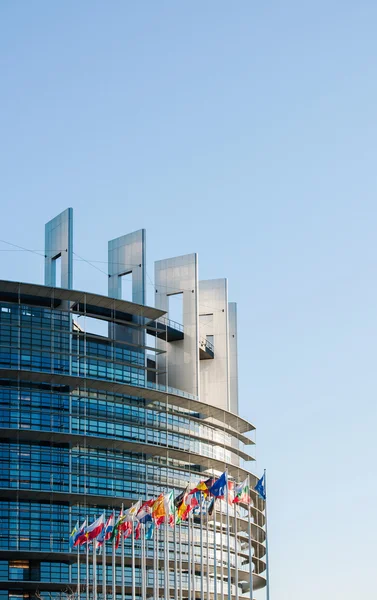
(206, 345)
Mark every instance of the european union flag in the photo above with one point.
(219, 487)
(260, 488)
(149, 530)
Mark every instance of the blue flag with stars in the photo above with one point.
(260, 488)
(219, 487)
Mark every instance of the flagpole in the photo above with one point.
(95, 569)
(104, 593)
(188, 558)
(122, 560)
(250, 546)
(215, 549)
(114, 568)
(78, 571)
(207, 550)
(87, 564)
(201, 548)
(157, 565)
(235, 548)
(228, 533)
(193, 557)
(143, 582)
(175, 561)
(180, 560)
(265, 527)
(133, 560)
(167, 556)
(221, 550)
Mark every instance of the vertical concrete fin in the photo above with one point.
(179, 275)
(213, 324)
(233, 357)
(59, 244)
(127, 254)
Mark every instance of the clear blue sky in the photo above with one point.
(247, 132)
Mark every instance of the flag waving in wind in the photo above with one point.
(260, 488)
(242, 492)
(145, 512)
(220, 486)
(158, 510)
(72, 537)
(131, 512)
(80, 537)
(106, 532)
(94, 529)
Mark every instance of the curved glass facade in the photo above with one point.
(70, 450)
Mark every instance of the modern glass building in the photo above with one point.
(104, 401)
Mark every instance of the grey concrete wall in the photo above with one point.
(172, 276)
(213, 321)
(59, 242)
(233, 357)
(127, 254)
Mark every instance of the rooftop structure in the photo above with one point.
(94, 422)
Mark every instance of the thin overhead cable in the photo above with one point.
(92, 264)
(21, 248)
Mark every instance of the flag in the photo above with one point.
(95, 528)
(125, 522)
(118, 527)
(211, 507)
(80, 537)
(242, 492)
(106, 532)
(72, 537)
(190, 502)
(181, 505)
(131, 512)
(197, 500)
(144, 514)
(170, 507)
(158, 510)
(230, 495)
(260, 488)
(219, 487)
(149, 530)
(204, 486)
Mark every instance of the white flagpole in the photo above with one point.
(265, 517)
(193, 557)
(114, 568)
(188, 558)
(95, 569)
(201, 548)
(228, 534)
(180, 560)
(122, 561)
(133, 560)
(221, 550)
(215, 549)
(78, 571)
(104, 592)
(250, 547)
(157, 575)
(87, 564)
(143, 570)
(207, 549)
(235, 548)
(175, 562)
(167, 590)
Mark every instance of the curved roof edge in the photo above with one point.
(224, 417)
(98, 300)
